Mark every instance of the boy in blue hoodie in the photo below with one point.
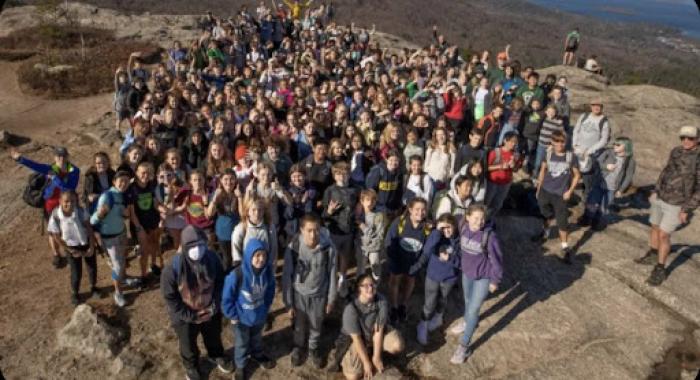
(247, 296)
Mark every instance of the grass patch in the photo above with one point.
(89, 76)
(52, 36)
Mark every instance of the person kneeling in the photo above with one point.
(248, 293)
(365, 333)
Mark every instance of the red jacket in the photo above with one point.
(454, 108)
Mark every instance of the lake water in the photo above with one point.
(680, 14)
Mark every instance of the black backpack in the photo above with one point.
(34, 191)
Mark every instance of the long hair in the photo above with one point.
(216, 167)
(449, 147)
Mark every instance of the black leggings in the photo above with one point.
(76, 269)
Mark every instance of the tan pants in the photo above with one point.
(352, 364)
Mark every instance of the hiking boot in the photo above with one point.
(192, 373)
(402, 314)
(74, 300)
(461, 354)
(376, 272)
(567, 256)
(435, 322)
(651, 257)
(94, 293)
(422, 333)
(240, 374)
(458, 328)
(264, 361)
(223, 363)
(119, 299)
(658, 275)
(296, 358)
(316, 358)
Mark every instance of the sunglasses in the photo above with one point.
(683, 138)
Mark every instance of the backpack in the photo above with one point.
(34, 191)
(572, 42)
(402, 223)
(569, 158)
(601, 124)
(237, 270)
(439, 196)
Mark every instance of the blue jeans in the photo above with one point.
(248, 342)
(540, 156)
(600, 199)
(475, 292)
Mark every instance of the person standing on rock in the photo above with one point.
(247, 295)
(591, 134)
(675, 196)
(108, 220)
(192, 286)
(60, 176)
(557, 180)
(570, 46)
(482, 270)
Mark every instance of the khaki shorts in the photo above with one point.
(352, 364)
(664, 215)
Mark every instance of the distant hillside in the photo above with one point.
(631, 54)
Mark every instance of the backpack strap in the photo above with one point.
(402, 222)
(498, 158)
(176, 266)
(485, 240)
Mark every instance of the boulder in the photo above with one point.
(128, 365)
(89, 335)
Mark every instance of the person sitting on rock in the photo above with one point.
(675, 196)
(191, 286)
(365, 333)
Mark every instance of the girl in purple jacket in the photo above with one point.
(482, 271)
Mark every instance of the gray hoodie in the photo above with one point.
(263, 232)
(589, 138)
(314, 272)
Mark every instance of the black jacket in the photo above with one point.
(91, 185)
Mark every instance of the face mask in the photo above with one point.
(196, 253)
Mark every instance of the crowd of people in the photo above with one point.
(282, 147)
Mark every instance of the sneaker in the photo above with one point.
(376, 272)
(56, 262)
(422, 333)
(402, 314)
(264, 361)
(459, 327)
(74, 300)
(460, 355)
(584, 220)
(296, 358)
(192, 373)
(393, 316)
(223, 363)
(155, 270)
(567, 256)
(539, 238)
(316, 358)
(658, 275)
(133, 282)
(651, 257)
(342, 287)
(435, 322)
(119, 299)
(239, 374)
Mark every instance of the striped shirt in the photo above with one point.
(549, 126)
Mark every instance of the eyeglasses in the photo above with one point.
(683, 138)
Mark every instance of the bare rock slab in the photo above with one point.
(89, 335)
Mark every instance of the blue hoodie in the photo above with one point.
(250, 303)
(439, 271)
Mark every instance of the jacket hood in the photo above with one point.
(251, 247)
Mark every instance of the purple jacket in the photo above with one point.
(477, 264)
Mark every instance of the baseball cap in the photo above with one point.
(60, 151)
(596, 102)
(191, 237)
(688, 131)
